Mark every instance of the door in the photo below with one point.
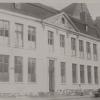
(51, 76)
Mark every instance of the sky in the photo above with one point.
(93, 5)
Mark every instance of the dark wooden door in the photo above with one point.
(51, 76)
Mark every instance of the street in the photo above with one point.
(26, 98)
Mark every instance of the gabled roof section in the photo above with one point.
(61, 20)
(30, 9)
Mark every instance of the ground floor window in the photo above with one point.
(89, 74)
(31, 69)
(82, 78)
(63, 72)
(18, 69)
(74, 73)
(4, 68)
(96, 75)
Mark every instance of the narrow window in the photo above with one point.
(4, 28)
(62, 40)
(95, 52)
(19, 35)
(96, 75)
(89, 74)
(74, 73)
(88, 49)
(50, 38)
(82, 78)
(81, 48)
(32, 70)
(73, 46)
(4, 68)
(32, 34)
(18, 69)
(63, 72)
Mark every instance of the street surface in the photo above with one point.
(26, 98)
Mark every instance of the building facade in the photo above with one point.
(46, 53)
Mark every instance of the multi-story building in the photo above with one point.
(45, 50)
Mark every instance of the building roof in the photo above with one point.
(73, 11)
(31, 9)
(91, 30)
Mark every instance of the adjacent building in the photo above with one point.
(44, 50)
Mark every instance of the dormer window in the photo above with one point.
(86, 28)
(17, 5)
(63, 20)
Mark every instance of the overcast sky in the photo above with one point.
(93, 5)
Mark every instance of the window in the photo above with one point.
(89, 74)
(4, 28)
(62, 40)
(19, 35)
(81, 48)
(4, 68)
(82, 78)
(74, 73)
(95, 51)
(50, 38)
(73, 46)
(96, 75)
(32, 34)
(88, 49)
(63, 20)
(18, 69)
(17, 5)
(32, 70)
(63, 72)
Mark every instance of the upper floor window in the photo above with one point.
(31, 69)
(4, 68)
(50, 38)
(88, 49)
(19, 35)
(81, 48)
(63, 72)
(95, 51)
(32, 34)
(73, 46)
(4, 28)
(62, 40)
